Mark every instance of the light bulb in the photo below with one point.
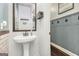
(4, 23)
(1, 26)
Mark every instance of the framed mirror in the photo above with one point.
(24, 16)
(4, 26)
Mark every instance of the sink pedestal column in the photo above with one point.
(26, 49)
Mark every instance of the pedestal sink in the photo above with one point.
(25, 41)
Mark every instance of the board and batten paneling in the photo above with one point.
(66, 33)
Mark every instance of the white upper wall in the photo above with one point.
(54, 12)
(44, 29)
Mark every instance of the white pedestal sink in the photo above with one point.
(25, 40)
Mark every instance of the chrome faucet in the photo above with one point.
(25, 34)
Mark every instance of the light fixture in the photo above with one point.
(40, 15)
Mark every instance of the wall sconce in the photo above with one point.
(40, 15)
(3, 24)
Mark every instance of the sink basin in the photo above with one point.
(25, 41)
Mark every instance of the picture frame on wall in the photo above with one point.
(64, 7)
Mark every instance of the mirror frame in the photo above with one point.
(14, 30)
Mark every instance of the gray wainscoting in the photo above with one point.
(65, 32)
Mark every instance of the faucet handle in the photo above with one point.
(31, 32)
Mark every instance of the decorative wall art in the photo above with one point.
(64, 7)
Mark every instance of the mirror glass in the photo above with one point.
(24, 16)
(4, 28)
